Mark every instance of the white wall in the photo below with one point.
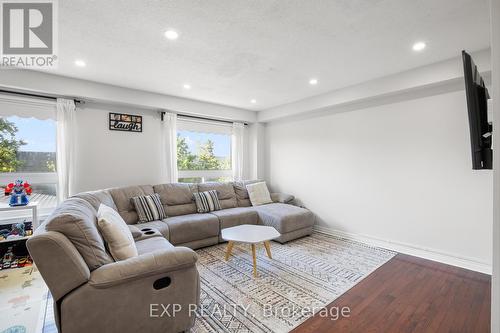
(111, 158)
(400, 173)
(495, 91)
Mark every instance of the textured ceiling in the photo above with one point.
(232, 51)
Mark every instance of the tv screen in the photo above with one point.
(477, 106)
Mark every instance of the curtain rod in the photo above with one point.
(37, 95)
(200, 118)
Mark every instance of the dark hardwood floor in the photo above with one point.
(410, 294)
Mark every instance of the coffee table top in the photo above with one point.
(249, 233)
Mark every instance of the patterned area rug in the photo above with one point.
(302, 278)
(23, 298)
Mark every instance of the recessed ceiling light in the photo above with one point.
(171, 34)
(253, 101)
(419, 46)
(80, 63)
(187, 86)
(313, 82)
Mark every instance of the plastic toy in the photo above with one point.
(19, 192)
(7, 258)
(17, 231)
(4, 233)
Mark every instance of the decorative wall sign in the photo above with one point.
(125, 122)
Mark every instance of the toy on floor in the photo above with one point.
(19, 192)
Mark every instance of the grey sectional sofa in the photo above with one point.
(93, 293)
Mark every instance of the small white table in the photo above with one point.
(250, 234)
(30, 206)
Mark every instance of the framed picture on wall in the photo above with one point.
(125, 122)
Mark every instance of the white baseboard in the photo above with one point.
(413, 250)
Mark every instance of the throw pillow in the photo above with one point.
(207, 201)
(259, 194)
(149, 208)
(116, 233)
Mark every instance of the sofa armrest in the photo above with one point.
(282, 197)
(148, 264)
(136, 232)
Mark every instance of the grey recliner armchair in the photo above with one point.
(93, 293)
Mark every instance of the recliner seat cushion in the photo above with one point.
(192, 227)
(236, 216)
(285, 218)
(177, 198)
(225, 193)
(122, 197)
(76, 219)
(152, 244)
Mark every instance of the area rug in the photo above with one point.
(303, 277)
(23, 298)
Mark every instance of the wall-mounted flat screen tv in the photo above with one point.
(477, 106)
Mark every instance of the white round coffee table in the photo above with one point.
(250, 234)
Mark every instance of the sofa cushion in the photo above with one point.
(192, 227)
(136, 232)
(259, 194)
(96, 198)
(159, 225)
(116, 233)
(122, 197)
(149, 208)
(206, 201)
(76, 219)
(285, 218)
(177, 198)
(240, 188)
(225, 193)
(236, 216)
(152, 244)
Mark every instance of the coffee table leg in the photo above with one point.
(254, 261)
(267, 244)
(230, 245)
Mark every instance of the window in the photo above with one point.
(28, 152)
(203, 151)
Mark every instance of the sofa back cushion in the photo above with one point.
(76, 219)
(177, 198)
(240, 188)
(96, 198)
(122, 197)
(225, 193)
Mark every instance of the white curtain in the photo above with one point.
(66, 143)
(237, 150)
(169, 148)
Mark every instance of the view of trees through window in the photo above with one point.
(27, 149)
(199, 152)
